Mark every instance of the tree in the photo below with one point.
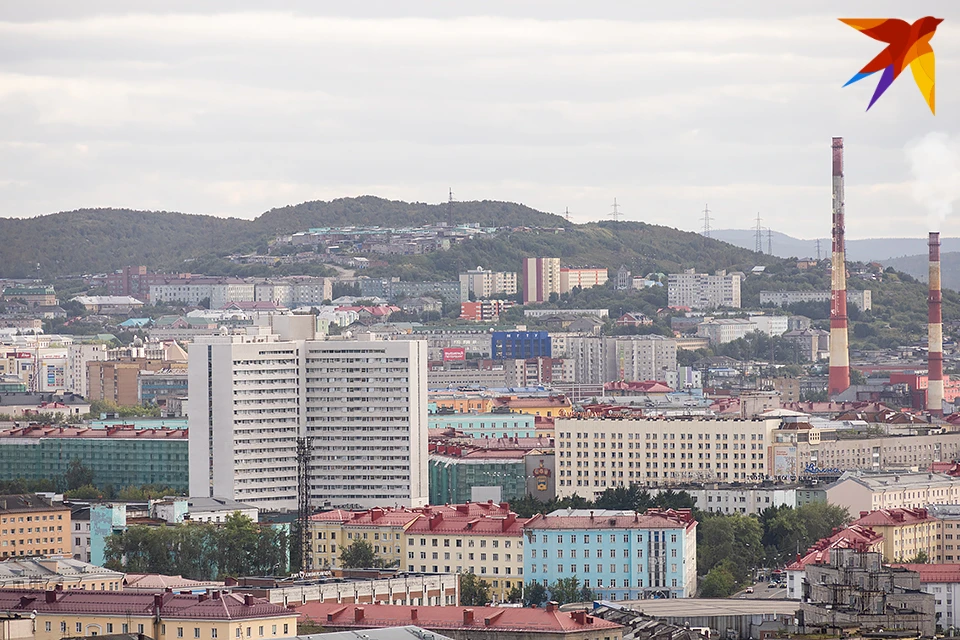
(359, 554)
(85, 492)
(534, 594)
(718, 583)
(78, 475)
(565, 590)
(474, 592)
(733, 538)
(920, 558)
(515, 594)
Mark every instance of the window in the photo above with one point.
(213, 632)
(46, 626)
(286, 629)
(109, 627)
(179, 632)
(261, 630)
(63, 627)
(140, 629)
(125, 628)
(238, 632)
(196, 632)
(79, 627)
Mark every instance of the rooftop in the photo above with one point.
(854, 536)
(158, 582)
(518, 619)
(888, 517)
(124, 603)
(565, 519)
(117, 432)
(409, 632)
(28, 502)
(900, 481)
(934, 573)
(34, 568)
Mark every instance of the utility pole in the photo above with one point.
(706, 221)
(759, 236)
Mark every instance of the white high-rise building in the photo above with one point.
(611, 358)
(78, 355)
(700, 291)
(361, 403)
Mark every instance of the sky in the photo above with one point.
(234, 108)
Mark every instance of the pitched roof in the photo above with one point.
(853, 536)
(578, 519)
(519, 619)
(893, 517)
(934, 573)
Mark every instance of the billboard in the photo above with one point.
(454, 353)
(784, 461)
(541, 472)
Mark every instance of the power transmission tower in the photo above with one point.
(304, 450)
(818, 249)
(759, 236)
(706, 221)
(566, 213)
(450, 208)
(769, 240)
(616, 211)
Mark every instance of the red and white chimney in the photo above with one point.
(839, 353)
(934, 332)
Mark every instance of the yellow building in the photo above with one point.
(484, 538)
(32, 526)
(545, 406)
(462, 404)
(906, 533)
(162, 616)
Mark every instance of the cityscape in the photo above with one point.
(472, 419)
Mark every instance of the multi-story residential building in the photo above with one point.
(572, 313)
(474, 342)
(31, 525)
(504, 424)
(702, 291)
(536, 372)
(484, 310)
(32, 296)
(942, 581)
(600, 359)
(540, 277)
(393, 288)
(660, 451)
(771, 325)
(278, 292)
(159, 387)
(724, 330)
(860, 298)
(252, 396)
(163, 616)
(481, 283)
(78, 355)
(621, 555)
(584, 278)
(119, 456)
(859, 491)
(480, 537)
(510, 345)
(219, 292)
(745, 499)
(117, 381)
(311, 291)
(906, 533)
(134, 281)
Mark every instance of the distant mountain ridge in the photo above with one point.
(866, 250)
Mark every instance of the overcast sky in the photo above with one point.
(233, 108)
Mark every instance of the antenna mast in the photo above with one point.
(450, 208)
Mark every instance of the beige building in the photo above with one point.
(702, 291)
(906, 533)
(161, 616)
(51, 573)
(585, 278)
(117, 380)
(482, 283)
(32, 526)
(859, 491)
(594, 454)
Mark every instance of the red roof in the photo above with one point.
(853, 536)
(888, 517)
(652, 519)
(529, 620)
(936, 573)
(486, 518)
(640, 386)
(120, 431)
(228, 606)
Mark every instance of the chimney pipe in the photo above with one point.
(839, 354)
(935, 332)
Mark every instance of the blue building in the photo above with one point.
(620, 555)
(486, 425)
(516, 345)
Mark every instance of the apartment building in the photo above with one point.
(361, 404)
(600, 359)
(861, 491)
(218, 291)
(510, 345)
(584, 278)
(618, 452)
(942, 581)
(486, 425)
(481, 283)
(860, 298)
(481, 537)
(118, 381)
(537, 372)
(278, 292)
(621, 555)
(906, 533)
(484, 310)
(724, 330)
(31, 525)
(540, 278)
(747, 499)
(702, 291)
(311, 291)
(35, 296)
(78, 355)
(162, 616)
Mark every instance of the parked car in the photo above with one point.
(749, 590)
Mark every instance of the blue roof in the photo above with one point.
(135, 322)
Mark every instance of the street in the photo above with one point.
(762, 591)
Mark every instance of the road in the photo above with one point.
(762, 591)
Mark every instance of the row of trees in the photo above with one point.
(634, 498)
(474, 592)
(201, 551)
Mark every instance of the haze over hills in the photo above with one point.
(866, 250)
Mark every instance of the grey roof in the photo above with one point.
(409, 632)
(204, 503)
(27, 568)
(15, 398)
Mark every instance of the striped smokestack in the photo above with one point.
(839, 355)
(934, 332)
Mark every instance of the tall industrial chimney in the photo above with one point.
(934, 332)
(839, 354)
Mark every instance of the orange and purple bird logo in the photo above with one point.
(907, 44)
